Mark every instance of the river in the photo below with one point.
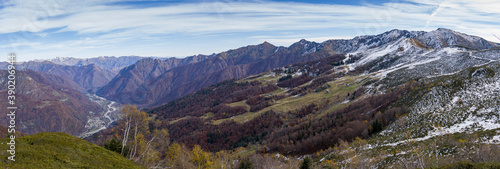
(98, 121)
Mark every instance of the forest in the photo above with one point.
(361, 119)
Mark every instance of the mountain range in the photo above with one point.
(111, 63)
(395, 100)
(150, 82)
(161, 84)
(167, 84)
(385, 94)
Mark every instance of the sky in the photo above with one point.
(173, 28)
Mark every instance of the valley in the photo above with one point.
(98, 121)
(400, 99)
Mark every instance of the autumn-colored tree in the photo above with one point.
(223, 160)
(201, 158)
(133, 118)
(177, 156)
(136, 126)
(145, 147)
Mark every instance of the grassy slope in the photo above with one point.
(338, 92)
(59, 150)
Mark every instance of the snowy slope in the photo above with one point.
(466, 101)
(407, 49)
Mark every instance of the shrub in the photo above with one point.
(246, 164)
(306, 163)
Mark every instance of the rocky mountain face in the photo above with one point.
(408, 49)
(47, 103)
(446, 37)
(434, 39)
(361, 43)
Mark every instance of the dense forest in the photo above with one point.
(212, 99)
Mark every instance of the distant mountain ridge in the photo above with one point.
(115, 64)
(89, 77)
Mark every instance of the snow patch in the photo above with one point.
(298, 73)
(494, 140)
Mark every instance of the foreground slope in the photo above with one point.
(59, 150)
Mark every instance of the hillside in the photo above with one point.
(59, 150)
(132, 77)
(48, 103)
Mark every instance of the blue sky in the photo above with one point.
(92, 28)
